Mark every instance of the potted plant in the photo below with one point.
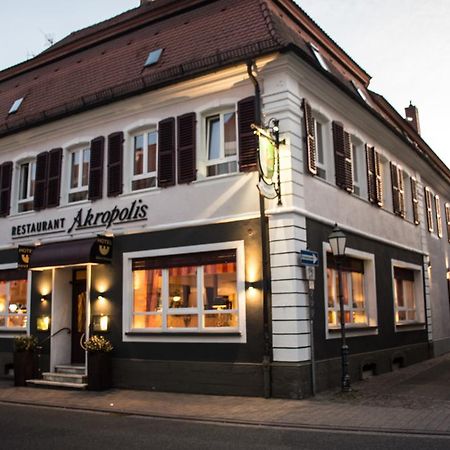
(24, 359)
(99, 363)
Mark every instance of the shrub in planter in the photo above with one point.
(24, 359)
(99, 363)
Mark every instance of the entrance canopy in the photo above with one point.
(68, 253)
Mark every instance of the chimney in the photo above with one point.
(412, 117)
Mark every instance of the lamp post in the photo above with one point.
(337, 241)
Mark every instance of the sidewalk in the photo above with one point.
(413, 400)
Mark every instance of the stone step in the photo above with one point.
(68, 368)
(64, 377)
(56, 384)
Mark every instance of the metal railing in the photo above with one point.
(39, 348)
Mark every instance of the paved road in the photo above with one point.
(36, 428)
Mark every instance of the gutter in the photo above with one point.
(266, 285)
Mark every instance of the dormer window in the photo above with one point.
(319, 57)
(361, 93)
(15, 106)
(153, 57)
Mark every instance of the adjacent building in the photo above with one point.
(129, 204)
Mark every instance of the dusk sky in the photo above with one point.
(403, 44)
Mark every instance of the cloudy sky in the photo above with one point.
(403, 44)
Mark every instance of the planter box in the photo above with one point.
(99, 371)
(24, 367)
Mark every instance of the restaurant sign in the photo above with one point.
(83, 219)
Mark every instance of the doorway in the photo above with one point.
(78, 315)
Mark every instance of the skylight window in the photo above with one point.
(319, 57)
(361, 93)
(15, 106)
(153, 57)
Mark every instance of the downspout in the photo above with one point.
(266, 285)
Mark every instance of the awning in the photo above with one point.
(68, 253)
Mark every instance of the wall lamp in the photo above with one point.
(45, 298)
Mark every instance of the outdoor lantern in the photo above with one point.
(337, 241)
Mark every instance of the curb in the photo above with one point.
(228, 421)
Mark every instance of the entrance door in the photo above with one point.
(78, 315)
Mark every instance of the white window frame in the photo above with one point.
(31, 162)
(79, 188)
(8, 332)
(217, 335)
(204, 162)
(370, 295)
(144, 175)
(419, 297)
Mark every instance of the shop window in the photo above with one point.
(194, 292)
(79, 161)
(27, 177)
(144, 160)
(221, 144)
(358, 291)
(408, 294)
(13, 302)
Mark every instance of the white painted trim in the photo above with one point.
(370, 292)
(326, 221)
(418, 293)
(206, 336)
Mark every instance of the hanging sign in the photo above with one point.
(102, 250)
(23, 255)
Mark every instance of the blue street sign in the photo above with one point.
(309, 258)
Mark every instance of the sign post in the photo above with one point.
(310, 260)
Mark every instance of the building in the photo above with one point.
(128, 184)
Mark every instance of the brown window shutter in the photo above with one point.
(310, 139)
(115, 164)
(342, 157)
(415, 201)
(166, 152)
(395, 190)
(248, 141)
(96, 168)
(54, 177)
(437, 202)
(447, 218)
(186, 148)
(378, 179)
(429, 208)
(6, 171)
(41, 182)
(371, 177)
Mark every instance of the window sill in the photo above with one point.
(204, 179)
(69, 204)
(335, 333)
(140, 192)
(411, 326)
(183, 333)
(22, 214)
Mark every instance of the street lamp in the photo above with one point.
(337, 241)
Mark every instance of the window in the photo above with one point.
(319, 57)
(184, 293)
(408, 293)
(144, 161)
(437, 202)
(221, 144)
(15, 106)
(153, 57)
(429, 208)
(360, 91)
(13, 302)
(352, 290)
(79, 174)
(447, 219)
(321, 159)
(27, 177)
(358, 172)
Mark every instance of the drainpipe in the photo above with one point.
(267, 303)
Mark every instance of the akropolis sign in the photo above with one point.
(84, 219)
